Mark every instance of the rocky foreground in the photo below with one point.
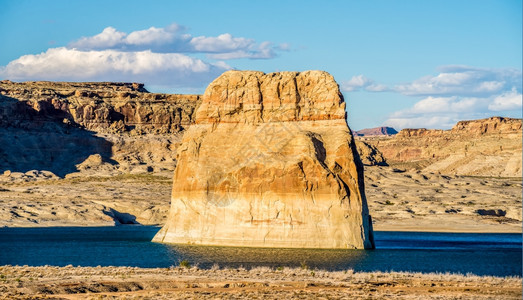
(257, 283)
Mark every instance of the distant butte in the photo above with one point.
(376, 131)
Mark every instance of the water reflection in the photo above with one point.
(331, 259)
(481, 254)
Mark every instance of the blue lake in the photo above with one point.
(477, 253)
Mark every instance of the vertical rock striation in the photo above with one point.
(269, 162)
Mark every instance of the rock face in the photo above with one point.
(486, 147)
(98, 106)
(269, 162)
(55, 126)
(369, 154)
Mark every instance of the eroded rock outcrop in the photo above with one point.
(269, 162)
(369, 154)
(486, 147)
(55, 126)
(98, 106)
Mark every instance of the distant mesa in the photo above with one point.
(269, 162)
(377, 131)
(484, 147)
(55, 126)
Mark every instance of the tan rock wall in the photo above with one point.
(95, 106)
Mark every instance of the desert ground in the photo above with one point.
(399, 200)
(258, 283)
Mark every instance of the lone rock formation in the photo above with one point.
(269, 162)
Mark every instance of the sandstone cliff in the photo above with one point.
(487, 147)
(269, 162)
(97, 106)
(55, 126)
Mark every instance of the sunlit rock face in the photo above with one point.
(486, 147)
(269, 162)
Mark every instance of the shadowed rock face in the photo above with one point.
(269, 162)
(98, 106)
(54, 126)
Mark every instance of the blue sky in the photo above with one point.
(399, 63)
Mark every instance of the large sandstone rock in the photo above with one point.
(269, 162)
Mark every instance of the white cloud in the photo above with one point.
(284, 46)
(168, 69)
(155, 35)
(108, 38)
(462, 81)
(355, 83)
(263, 51)
(376, 88)
(160, 57)
(507, 101)
(220, 44)
(361, 82)
(173, 39)
(421, 122)
(445, 112)
(455, 93)
(432, 105)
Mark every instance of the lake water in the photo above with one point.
(481, 254)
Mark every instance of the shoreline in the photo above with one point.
(262, 282)
(409, 228)
(377, 228)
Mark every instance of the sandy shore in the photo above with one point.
(258, 283)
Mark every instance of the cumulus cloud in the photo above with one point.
(462, 81)
(160, 57)
(507, 101)
(108, 38)
(455, 93)
(435, 105)
(220, 44)
(422, 122)
(174, 39)
(263, 51)
(360, 82)
(169, 69)
(444, 112)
